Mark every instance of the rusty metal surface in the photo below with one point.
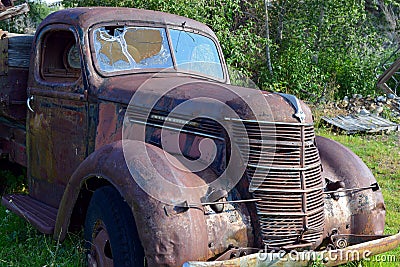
(328, 258)
(359, 212)
(56, 144)
(109, 127)
(183, 87)
(41, 216)
(58, 126)
(169, 238)
(74, 148)
(388, 81)
(362, 123)
(285, 173)
(97, 255)
(85, 17)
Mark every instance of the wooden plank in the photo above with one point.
(19, 50)
(362, 123)
(3, 56)
(14, 11)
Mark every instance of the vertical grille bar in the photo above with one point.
(284, 169)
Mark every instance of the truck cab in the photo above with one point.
(134, 132)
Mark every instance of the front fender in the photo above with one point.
(168, 238)
(353, 212)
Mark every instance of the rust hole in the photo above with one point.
(107, 250)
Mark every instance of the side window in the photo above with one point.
(60, 61)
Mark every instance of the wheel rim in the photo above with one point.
(100, 249)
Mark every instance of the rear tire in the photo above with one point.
(110, 231)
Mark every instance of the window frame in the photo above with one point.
(69, 86)
(195, 72)
(173, 69)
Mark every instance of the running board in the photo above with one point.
(40, 215)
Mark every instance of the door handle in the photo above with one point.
(28, 103)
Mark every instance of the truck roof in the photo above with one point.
(85, 17)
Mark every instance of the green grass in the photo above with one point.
(381, 153)
(22, 245)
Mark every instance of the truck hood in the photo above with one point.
(194, 97)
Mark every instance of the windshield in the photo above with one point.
(127, 48)
(130, 48)
(197, 53)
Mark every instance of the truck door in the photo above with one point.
(57, 115)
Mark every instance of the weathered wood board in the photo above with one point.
(362, 123)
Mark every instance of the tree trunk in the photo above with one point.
(279, 32)
(267, 49)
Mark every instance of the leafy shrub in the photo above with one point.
(318, 48)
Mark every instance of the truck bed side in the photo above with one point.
(14, 68)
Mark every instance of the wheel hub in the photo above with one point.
(100, 252)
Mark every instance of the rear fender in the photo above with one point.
(353, 212)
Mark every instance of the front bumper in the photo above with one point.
(293, 259)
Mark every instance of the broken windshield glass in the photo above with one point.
(128, 48)
(196, 53)
(125, 48)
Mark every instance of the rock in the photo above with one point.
(379, 110)
(372, 106)
(391, 96)
(363, 111)
(381, 99)
(343, 104)
(388, 105)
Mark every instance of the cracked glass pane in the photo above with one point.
(129, 48)
(196, 53)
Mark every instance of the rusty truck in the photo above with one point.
(129, 128)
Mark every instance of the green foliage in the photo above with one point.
(327, 43)
(318, 48)
(22, 245)
(235, 23)
(11, 182)
(381, 153)
(28, 23)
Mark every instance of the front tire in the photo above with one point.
(110, 231)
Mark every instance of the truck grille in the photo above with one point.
(284, 169)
